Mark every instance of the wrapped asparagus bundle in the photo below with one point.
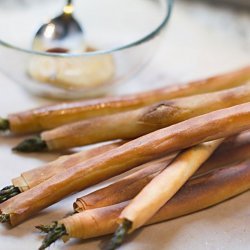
(38, 175)
(199, 193)
(161, 189)
(49, 117)
(128, 187)
(237, 147)
(212, 126)
(132, 124)
(124, 189)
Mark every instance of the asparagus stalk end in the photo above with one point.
(8, 192)
(34, 144)
(120, 234)
(4, 124)
(45, 228)
(4, 218)
(54, 232)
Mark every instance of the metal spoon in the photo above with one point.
(61, 34)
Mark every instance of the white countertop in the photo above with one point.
(202, 40)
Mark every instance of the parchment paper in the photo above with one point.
(201, 40)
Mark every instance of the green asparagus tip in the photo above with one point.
(56, 231)
(35, 144)
(46, 228)
(120, 234)
(4, 124)
(4, 218)
(8, 192)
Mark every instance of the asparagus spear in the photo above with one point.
(54, 232)
(4, 124)
(197, 194)
(130, 125)
(34, 144)
(8, 192)
(162, 188)
(35, 176)
(46, 228)
(4, 218)
(238, 147)
(120, 234)
(130, 185)
(212, 126)
(52, 116)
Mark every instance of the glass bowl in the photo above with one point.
(122, 37)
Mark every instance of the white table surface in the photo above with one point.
(202, 40)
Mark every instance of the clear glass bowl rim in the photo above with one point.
(146, 38)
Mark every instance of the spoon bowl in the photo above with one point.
(62, 34)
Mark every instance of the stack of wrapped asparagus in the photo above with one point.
(177, 139)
